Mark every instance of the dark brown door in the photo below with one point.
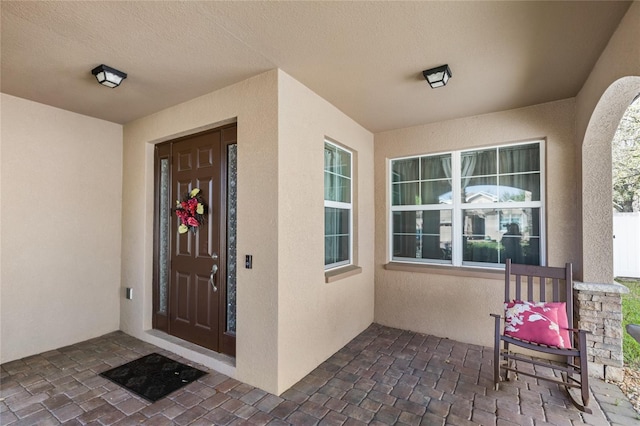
(195, 293)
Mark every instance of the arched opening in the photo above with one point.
(597, 213)
(599, 299)
(626, 193)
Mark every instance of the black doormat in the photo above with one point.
(153, 376)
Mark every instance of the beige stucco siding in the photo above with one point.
(457, 306)
(61, 202)
(317, 318)
(605, 96)
(289, 320)
(76, 216)
(254, 103)
(621, 58)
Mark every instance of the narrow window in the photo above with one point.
(232, 231)
(164, 232)
(338, 207)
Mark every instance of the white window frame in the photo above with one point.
(457, 208)
(343, 206)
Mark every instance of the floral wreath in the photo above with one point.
(191, 211)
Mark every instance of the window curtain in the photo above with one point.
(405, 243)
(406, 188)
(406, 191)
(334, 191)
(329, 180)
(468, 166)
(522, 165)
(478, 168)
(436, 171)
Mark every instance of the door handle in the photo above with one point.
(212, 277)
(214, 270)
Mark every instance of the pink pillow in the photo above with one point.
(563, 322)
(537, 322)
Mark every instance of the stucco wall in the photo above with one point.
(317, 318)
(254, 103)
(454, 305)
(61, 200)
(610, 88)
(289, 319)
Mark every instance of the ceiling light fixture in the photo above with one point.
(438, 76)
(108, 76)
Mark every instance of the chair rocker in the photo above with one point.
(531, 309)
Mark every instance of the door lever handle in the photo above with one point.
(214, 270)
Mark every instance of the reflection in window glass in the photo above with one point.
(436, 167)
(480, 190)
(406, 170)
(337, 206)
(422, 234)
(479, 163)
(406, 194)
(520, 158)
(522, 187)
(428, 184)
(336, 235)
(435, 191)
(515, 177)
(493, 235)
(493, 212)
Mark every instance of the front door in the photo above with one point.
(191, 291)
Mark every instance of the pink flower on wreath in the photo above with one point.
(191, 211)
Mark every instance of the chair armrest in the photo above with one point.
(496, 342)
(497, 319)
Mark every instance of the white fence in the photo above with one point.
(626, 244)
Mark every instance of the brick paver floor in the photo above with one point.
(384, 376)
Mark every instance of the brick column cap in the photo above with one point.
(600, 287)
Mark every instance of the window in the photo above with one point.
(475, 207)
(338, 207)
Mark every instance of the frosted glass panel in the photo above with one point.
(165, 212)
(232, 198)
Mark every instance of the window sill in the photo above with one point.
(340, 273)
(458, 271)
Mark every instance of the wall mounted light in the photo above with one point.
(438, 76)
(108, 76)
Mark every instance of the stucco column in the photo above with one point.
(594, 148)
(598, 309)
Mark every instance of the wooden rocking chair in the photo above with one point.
(541, 283)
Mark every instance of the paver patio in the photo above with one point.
(384, 376)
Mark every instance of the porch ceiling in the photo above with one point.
(365, 58)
